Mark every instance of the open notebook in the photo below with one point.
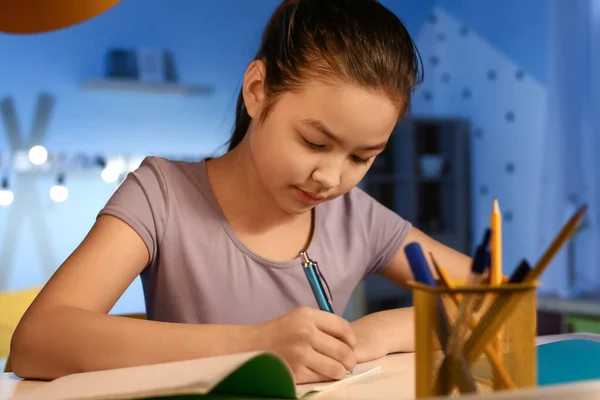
(254, 374)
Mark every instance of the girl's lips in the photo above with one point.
(308, 198)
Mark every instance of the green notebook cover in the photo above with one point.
(568, 361)
(248, 382)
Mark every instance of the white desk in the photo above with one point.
(395, 381)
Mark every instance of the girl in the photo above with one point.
(217, 242)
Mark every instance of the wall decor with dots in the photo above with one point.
(466, 77)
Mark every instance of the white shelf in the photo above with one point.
(132, 85)
(579, 306)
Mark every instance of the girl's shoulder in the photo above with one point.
(167, 168)
(161, 193)
(172, 175)
(358, 219)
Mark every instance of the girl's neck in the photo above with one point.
(241, 194)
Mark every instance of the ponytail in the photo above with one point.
(242, 122)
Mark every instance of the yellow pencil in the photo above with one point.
(496, 245)
(497, 365)
(496, 274)
(565, 234)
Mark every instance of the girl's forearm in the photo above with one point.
(68, 340)
(393, 330)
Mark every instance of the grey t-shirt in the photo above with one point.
(200, 272)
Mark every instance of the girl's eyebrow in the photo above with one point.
(318, 125)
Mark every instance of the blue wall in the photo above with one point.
(518, 29)
(212, 43)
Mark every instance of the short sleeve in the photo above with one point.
(141, 201)
(385, 231)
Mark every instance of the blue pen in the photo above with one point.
(316, 280)
(311, 269)
(481, 260)
(418, 264)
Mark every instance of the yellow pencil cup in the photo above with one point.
(488, 346)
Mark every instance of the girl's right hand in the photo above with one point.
(318, 346)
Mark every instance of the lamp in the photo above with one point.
(37, 16)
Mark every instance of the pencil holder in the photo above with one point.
(474, 339)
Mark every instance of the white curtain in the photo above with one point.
(571, 169)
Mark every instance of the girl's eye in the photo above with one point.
(360, 160)
(316, 146)
(312, 145)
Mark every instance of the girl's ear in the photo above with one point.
(253, 88)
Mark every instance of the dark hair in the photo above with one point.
(357, 40)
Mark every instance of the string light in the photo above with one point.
(6, 195)
(112, 171)
(59, 192)
(38, 161)
(38, 155)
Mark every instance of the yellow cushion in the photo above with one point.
(13, 306)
